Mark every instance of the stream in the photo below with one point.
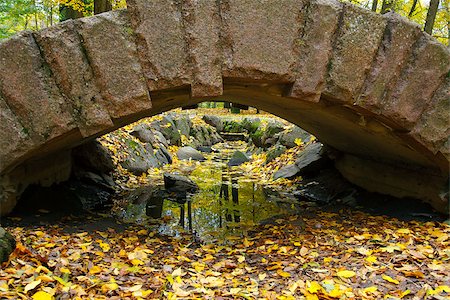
(229, 201)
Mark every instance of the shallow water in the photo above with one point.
(229, 203)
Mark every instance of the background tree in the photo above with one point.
(431, 16)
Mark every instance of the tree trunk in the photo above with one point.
(101, 6)
(431, 16)
(413, 8)
(375, 4)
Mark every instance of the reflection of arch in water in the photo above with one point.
(373, 87)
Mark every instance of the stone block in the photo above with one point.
(30, 91)
(426, 69)
(14, 140)
(433, 127)
(261, 38)
(161, 42)
(62, 50)
(399, 38)
(110, 46)
(358, 38)
(202, 24)
(316, 46)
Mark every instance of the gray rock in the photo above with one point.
(93, 156)
(274, 152)
(238, 158)
(190, 153)
(312, 159)
(143, 133)
(214, 121)
(183, 124)
(179, 184)
(288, 136)
(166, 153)
(139, 158)
(7, 245)
(161, 139)
(288, 171)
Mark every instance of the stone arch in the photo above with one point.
(372, 86)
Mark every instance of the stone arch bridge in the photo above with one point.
(372, 86)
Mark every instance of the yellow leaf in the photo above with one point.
(390, 279)
(314, 287)
(346, 274)
(135, 288)
(403, 231)
(371, 259)
(64, 270)
(370, 289)
(262, 276)
(403, 294)
(136, 262)
(95, 270)
(42, 296)
(32, 285)
(109, 287)
(283, 273)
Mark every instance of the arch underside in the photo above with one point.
(373, 87)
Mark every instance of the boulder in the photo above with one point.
(169, 130)
(274, 152)
(166, 153)
(214, 121)
(183, 124)
(7, 245)
(144, 133)
(190, 153)
(251, 124)
(140, 158)
(312, 159)
(287, 137)
(179, 185)
(238, 158)
(93, 156)
(288, 171)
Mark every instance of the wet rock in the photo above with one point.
(287, 137)
(7, 245)
(179, 184)
(93, 156)
(214, 121)
(273, 127)
(312, 159)
(205, 149)
(274, 152)
(190, 153)
(328, 185)
(288, 171)
(169, 130)
(161, 139)
(238, 158)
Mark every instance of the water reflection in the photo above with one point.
(227, 205)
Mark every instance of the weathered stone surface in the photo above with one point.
(288, 171)
(385, 179)
(433, 128)
(312, 159)
(202, 25)
(93, 156)
(260, 38)
(109, 43)
(425, 71)
(237, 159)
(161, 42)
(62, 50)
(175, 183)
(214, 121)
(316, 46)
(30, 91)
(14, 140)
(190, 153)
(358, 39)
(399, 38)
